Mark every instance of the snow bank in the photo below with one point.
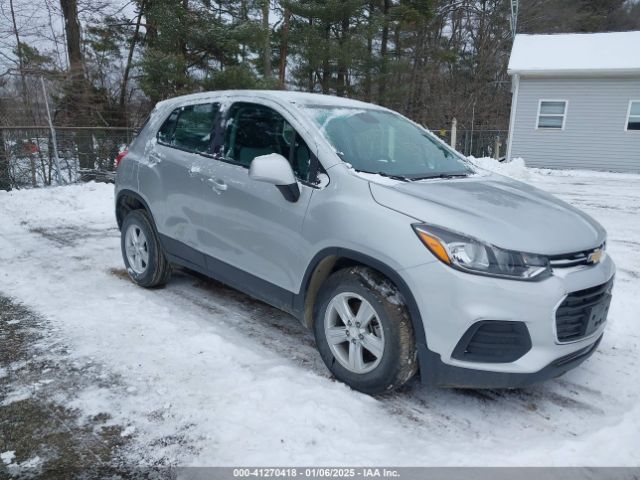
(518, 170)
(206, 376)
(8, 456)
(514, 169)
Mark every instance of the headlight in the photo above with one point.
(473, 256)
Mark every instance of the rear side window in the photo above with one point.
(253, 130)
(190, 127)
(165, 134)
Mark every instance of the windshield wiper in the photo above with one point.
(441, 175)
(388, 175)
(395, 177)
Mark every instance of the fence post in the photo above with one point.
(496, 151)
(454, 132)
(54, 143)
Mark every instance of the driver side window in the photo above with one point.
(253, 130)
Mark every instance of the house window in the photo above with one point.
(633, 118)
(552, 114)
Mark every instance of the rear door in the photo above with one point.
(183, 150)
(256, 230)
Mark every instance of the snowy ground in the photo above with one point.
(198, 374)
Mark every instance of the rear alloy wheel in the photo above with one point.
(137, 249)
(142, 253)
(363, 331)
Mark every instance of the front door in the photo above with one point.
(253, 227)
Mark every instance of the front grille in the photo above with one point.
(573, 259)
(493, 341)
(583, 312)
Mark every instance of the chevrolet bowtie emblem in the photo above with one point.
(595, 256)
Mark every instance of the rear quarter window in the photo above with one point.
(190, 127)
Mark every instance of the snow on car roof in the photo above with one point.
(615, 52)
(299, 98)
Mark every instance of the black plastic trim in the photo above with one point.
(290, 192)
(253, 286)
(441, 374)
(131, 193)
(574, 315)
(502, 342)
(283, 299)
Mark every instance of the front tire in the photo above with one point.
(142, 252)
(363, 331)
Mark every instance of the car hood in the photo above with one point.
(497, 210)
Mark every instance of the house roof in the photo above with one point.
(576, 53)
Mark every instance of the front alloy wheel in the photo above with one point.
(354, 333)
(363, 330)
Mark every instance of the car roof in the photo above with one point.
(281, 96)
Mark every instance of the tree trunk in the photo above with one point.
(23, 84)
(326, 72)
(19, 51)
(127, 68)
(284, 48)
(311, 80)
(368, 73)
(5, 176)
(341, 86)
(383, 53)
(266, 40)
(79, 98)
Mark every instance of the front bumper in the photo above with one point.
(443, 375)
(450, 302)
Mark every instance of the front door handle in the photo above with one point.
(218, 184)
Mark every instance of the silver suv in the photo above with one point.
(398, 253)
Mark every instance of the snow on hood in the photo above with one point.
(495, 209)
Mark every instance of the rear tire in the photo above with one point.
(363, 331)
(142, 252)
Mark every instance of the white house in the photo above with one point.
(576, 101)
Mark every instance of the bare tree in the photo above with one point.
(5, 178)
(127, 68)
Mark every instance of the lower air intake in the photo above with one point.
(493, 341)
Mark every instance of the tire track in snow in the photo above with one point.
(446, 410)
(414, 403)
(577, 405)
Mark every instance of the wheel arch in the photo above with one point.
(128, 200)
(329, 260)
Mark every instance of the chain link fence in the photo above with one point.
(478, 143)
(28, 159)
(29, 154)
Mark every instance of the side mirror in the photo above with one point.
(276, 170)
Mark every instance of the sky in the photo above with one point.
(40, 24)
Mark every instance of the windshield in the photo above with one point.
(377, 141)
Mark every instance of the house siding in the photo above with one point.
(594, 136)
